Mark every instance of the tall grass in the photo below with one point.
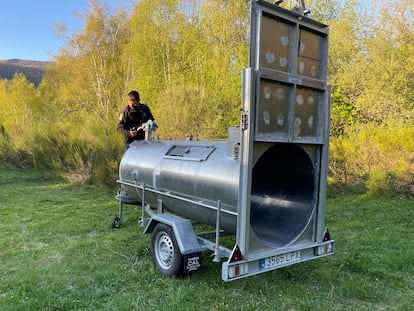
(59, 252)
(376, 158)
(79, 160)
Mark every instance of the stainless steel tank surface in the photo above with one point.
(283, 195)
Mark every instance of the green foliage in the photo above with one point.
(197, 51)
(342, 112)
(19, 104)
(7, 154)
(370, 69)
(327, 11)
(379, 157)
(175, 119)
(74, 120)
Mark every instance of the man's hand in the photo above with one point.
(133, 132)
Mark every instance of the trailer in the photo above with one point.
(265, 186)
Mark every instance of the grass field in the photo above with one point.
(59, 252)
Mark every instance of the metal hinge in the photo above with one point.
(244, 122)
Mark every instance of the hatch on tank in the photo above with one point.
(190, 152)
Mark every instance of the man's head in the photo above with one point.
(133, 99)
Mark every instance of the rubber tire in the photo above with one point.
(165, 252)
(116, 222)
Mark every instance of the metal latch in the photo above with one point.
(244, 122)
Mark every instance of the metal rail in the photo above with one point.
(167, 194)
(219, 250)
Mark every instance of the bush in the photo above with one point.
(78, 160)
(10, 156)
(378, 157)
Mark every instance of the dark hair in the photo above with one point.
(134, 94)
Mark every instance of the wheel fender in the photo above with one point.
(183, 231)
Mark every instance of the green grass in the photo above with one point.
(59, 252)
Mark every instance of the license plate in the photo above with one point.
(279, 260)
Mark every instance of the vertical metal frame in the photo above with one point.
(250, 100)
(246, 159)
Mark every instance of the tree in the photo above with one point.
(200, 48)
(82, 91)
(388, 85)
(225, 27)
(87, 79)
(18, 102)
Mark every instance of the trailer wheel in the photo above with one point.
(165, 252)
(116, 222)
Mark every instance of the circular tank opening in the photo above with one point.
(283, 194)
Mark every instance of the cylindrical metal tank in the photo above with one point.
(200, 172)
(283, 192)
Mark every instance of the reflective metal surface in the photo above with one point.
(198, 171)
(283, 194)
(283, 185)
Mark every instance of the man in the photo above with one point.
(131, 118)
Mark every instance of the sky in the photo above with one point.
(26, 26)
(27, 31)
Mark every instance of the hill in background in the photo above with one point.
(32, 70)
